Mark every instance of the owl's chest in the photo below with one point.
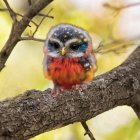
(66, 72)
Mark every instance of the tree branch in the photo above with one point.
(3, 9)
(87, 131)
(35, 112)
(118, 44)
(43, 15)
(11, 12)
(32, 39)
(104, 48)
(19, 27)
(43, 18)
(119, 8)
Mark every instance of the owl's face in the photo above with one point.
(66, 40)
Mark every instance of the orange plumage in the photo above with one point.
(68, 72)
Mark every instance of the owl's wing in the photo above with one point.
(45, 50)
(45, 65)
(46, 62)
(89, 62)
(92, 61)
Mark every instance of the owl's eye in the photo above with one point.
(54, 45)
(74, 46)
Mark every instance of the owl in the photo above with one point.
(68, 57)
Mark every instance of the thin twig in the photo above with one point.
(18, 14)
(43, 15)
(32, 39)
(39, 14)
(38, 25)
(108, 5)
(116, 11)
(116, 50)
(3, 9)
(11, 12)
(120, 43)
(87, 131)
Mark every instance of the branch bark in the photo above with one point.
(35, 112)
(18, 28)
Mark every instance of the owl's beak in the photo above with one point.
(63, 51)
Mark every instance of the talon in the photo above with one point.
(54, 93)
(81, 87)
(57, 91)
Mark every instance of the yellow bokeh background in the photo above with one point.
(23, 69)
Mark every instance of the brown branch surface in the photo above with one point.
(35, 112)
(18, 28)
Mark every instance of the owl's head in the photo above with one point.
(66, 40)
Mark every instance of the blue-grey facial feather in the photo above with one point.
(53, 46)
(66, 33)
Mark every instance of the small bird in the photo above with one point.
(68, 58)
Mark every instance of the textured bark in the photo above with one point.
(18, 28)
(34, 112)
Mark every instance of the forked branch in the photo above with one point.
(18, 28)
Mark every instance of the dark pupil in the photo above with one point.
(55, 45)
(74, 46)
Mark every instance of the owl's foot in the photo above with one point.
(57, 91)
(81, 87)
